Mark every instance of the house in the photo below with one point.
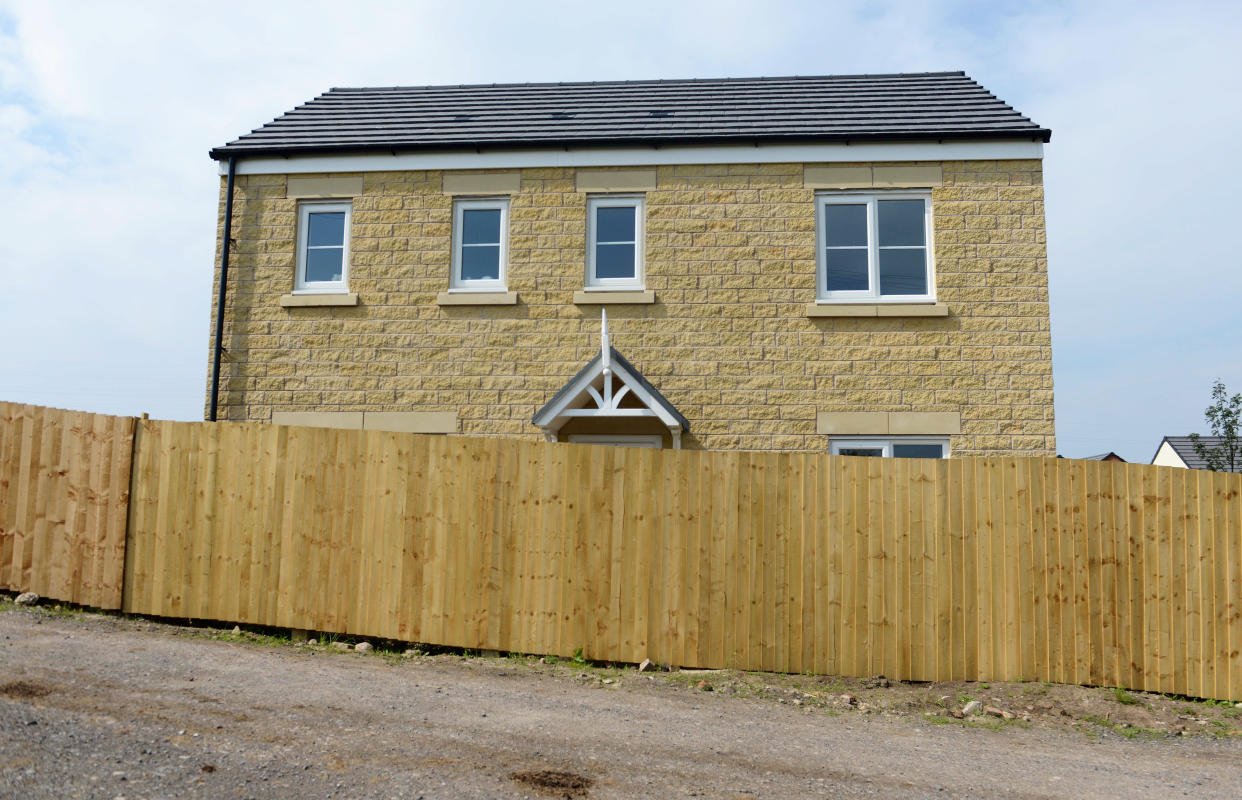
(1179, 451)
(848, 264)
(1109, 456)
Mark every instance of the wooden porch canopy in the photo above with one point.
(609, 388)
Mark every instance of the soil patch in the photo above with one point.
(554, 782)
(24, 690)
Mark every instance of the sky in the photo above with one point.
(108, 198)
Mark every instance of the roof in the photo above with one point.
(906, 106)
(591, 367)
(1185, 449)
(1109, 456)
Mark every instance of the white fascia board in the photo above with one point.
(554, 418)
(647, 399)
(641, 156)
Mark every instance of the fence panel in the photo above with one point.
(64, 495)
(984, 569)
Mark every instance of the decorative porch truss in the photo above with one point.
(609, 388)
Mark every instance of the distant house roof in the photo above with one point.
(1109, 456)
(1185, 449)
(908, 106)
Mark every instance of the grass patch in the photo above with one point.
(1125, 731)
(47, 608)
(1124, 697)
(265, 638)
(1200, 701)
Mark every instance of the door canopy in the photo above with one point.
(609, 387)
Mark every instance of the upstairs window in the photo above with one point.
(875, 247)
(480, 244)
(897, 447)
(323, 247)
(615, 241)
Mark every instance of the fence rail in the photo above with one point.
(965, 569)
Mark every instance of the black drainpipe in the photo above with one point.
(224, 279)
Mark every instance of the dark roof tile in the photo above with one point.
(915, 106)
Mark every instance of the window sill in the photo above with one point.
(477, 298)
(877, 310)
(608, 298)
(310, 300)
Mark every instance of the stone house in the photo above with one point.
(853, 264)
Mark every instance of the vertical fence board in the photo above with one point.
(1178, 620)
(1233, 591)
(1117, 599)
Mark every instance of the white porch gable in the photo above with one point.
(609, 387)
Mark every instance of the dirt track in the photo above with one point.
(100, 707)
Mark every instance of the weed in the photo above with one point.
(1124, 697)
(242, 636)
(1124, 731)
(1202, 701)
(833, 685)
(59, 610)
(578, 658)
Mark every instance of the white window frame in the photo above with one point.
(639, 203)
(456, 283)
(653, 441)
(884, 444)
(305, 209)
(871, 295)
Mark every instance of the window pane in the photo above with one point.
(614, 261)
(325, 228)
(845, 225)
(901, 223)
(847, 270)
(323, 265)
(918, 451)
(614, 224)
(860, 451)
(480, 226)
(481, 262)
(903, 271)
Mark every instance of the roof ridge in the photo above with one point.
(653, 81)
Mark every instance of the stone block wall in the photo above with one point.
(730, 256)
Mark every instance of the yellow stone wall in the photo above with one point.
(730, 256)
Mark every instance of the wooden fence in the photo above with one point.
(970, 569)
(64, 491)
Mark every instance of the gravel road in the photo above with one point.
(95, 706)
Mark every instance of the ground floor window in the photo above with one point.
(893, 447)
